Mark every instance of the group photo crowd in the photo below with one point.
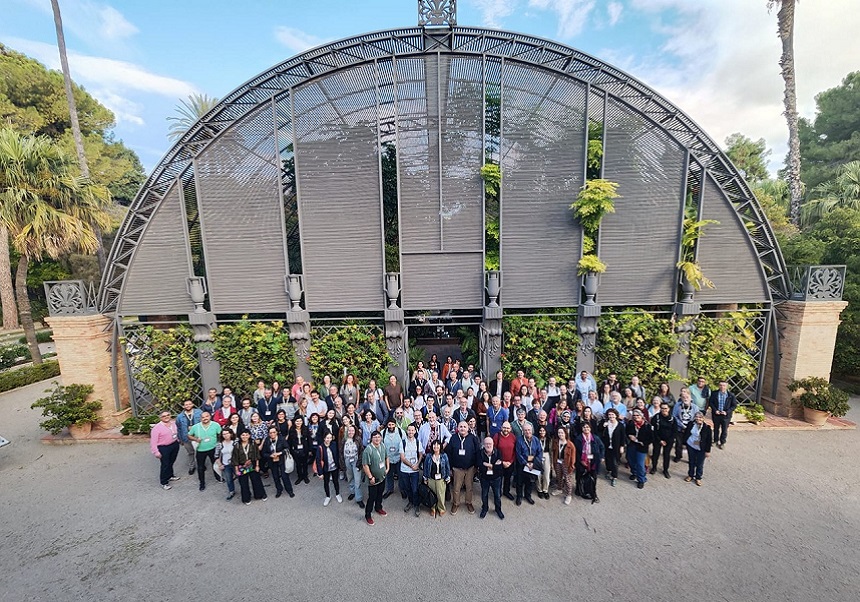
(443, 436)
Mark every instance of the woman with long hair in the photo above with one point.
(613, 437)
(236, 425)
(589, 453)
(437, 473)
(328, 464)
(369, 424)
(349, 390)
(351, 448)
(277, 393)
(563, 464)
(246, 460)
(224, 460)
(300, 447)
(543, 479)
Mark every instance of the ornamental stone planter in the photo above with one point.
(80, 431)
(815, 417)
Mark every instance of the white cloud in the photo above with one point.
(84, 18)
(114, 26)
(614, 10)
(296, 39)
(125, 110)
(493, 11)
(572, 14)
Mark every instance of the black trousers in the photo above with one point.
(612, 463)
(508, 474)
(201, 463)
(374, 497)
(301, 460)
(721, 427)
(525, 482)
(168, 457)
(281, 477)
(331, 475)
(494, 484)
(247, 481)
(679, 445)
(665, 450)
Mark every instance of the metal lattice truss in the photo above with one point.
(599, 77)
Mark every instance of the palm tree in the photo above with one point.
(73, 117)
(7, 291)
(785, 19)
(48, 208)
(188, 112)
(842, 191)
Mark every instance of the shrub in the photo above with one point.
(43, 336)
(10, 354)
(357, 348)
(818, 394)
(67, 406)
(724, 348)
(542, 346)
(138, 425)
(28, 375)
(249, 351)
(754, 413)
(166, 364)
(635, 344)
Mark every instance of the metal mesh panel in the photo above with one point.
(337, 162)
(542, 164)
(640, 241)
(241, 213)
(159, 271)
(727, 255)
(442, 280)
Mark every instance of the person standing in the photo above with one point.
(700, 393)
(300, 444)
(164, 444)
(589, 453)
(639, 436)
(462, 452)
(437, 473)
(490, 476)
(351, 449)
(722, 404)
(664, 427)
(328, 465)
(393, 396)
(506, 443)
(374, 462)
(546, 471)
(267, 407)
(205, 435)
(698, 439)
(529, 459)
(274, 450)
(224, 459)
(496, 416)
(410, 464)
(392, 438)
(564, 464)
(613, 437)
(684, 413)
(188, 417)
(246, 460)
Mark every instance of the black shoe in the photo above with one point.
(385, 495)
(277, 495)
(192, 469)
(666, 474)
(530, 500)
(291, 494)
(653, 470)
(483, 513)
(202, 486)
(519, 501)
(298, 482)
(632, 477)
(361, 504)
(307, 480)
(676, 460)
(350, 497)
(402, 496)
(509, 495)
(499, 513)
(596, 500)
(640, 485)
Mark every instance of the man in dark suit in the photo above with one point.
(722, 403)
(499, 385)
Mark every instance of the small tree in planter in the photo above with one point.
(820, 399)
(67, 406)
(596, 199)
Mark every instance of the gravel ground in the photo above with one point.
(776, 519)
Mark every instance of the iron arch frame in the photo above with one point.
(412, 42)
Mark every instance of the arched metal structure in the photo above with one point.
(265, 97)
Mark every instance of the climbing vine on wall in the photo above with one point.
(249, 351)
(635, 344)
(542, 346)
(357, 348)
(725, 348)
(165, 361)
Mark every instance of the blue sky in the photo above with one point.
(715, 59)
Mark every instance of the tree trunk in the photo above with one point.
(24, 309)
(7, 291)
(73, 117)
(786, 62)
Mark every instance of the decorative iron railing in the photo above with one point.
(816, 282)
(71, 298)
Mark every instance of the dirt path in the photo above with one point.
(778, 518)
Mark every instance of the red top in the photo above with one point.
(506, 446)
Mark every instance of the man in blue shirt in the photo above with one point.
(496, 415)
(529, 463)
(188, 417)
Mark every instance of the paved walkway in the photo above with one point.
(777, 518)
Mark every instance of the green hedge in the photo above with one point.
(28, 375)
(42, 336)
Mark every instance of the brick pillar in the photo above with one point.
(84, 351)
(807, 337)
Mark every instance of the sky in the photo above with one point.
(717, 60)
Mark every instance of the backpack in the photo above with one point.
(426, 497)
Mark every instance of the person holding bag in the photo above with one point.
(224, 461)
(589, 453)
(437, 473)
(246, 460)
(274, 450)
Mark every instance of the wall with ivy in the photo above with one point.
(249, 351)
(357, 348)
(725, 348)
(542, 346)
(165, 362)
(635, 344)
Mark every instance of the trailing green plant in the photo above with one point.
(724, 348)
(754, 413)
(818, 394)
(492, 177)
(67, 406)
(470, 346)
(43, 336)
(165, 365)
(416, 354)
(542, 346)
(138, 425)
(28, 375)
(11, 354)
(595, 200)
(357, 348)
(693, 230)
(636, 344)
(249, 351)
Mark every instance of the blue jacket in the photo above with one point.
(182, 424)
(494, 421)
(470, 447)
(428, 467)
(524, 450)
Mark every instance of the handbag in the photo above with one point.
(289, 464)
(426, 496)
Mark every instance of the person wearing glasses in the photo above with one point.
(506, 442)
(164, 444)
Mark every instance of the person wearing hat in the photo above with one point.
(374, 462)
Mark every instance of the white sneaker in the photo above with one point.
(166, 487)
(567, 500)
(339, 499)
(326, 501)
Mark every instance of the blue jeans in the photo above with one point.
(353, 478)
(394, 469)
(409, 485)
(229, 476)
(637, 465)
(697, 463)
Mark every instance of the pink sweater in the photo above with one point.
(162, 434)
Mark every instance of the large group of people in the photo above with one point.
(442, 433)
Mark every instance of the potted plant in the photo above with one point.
(820, 399)
(67, 407)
